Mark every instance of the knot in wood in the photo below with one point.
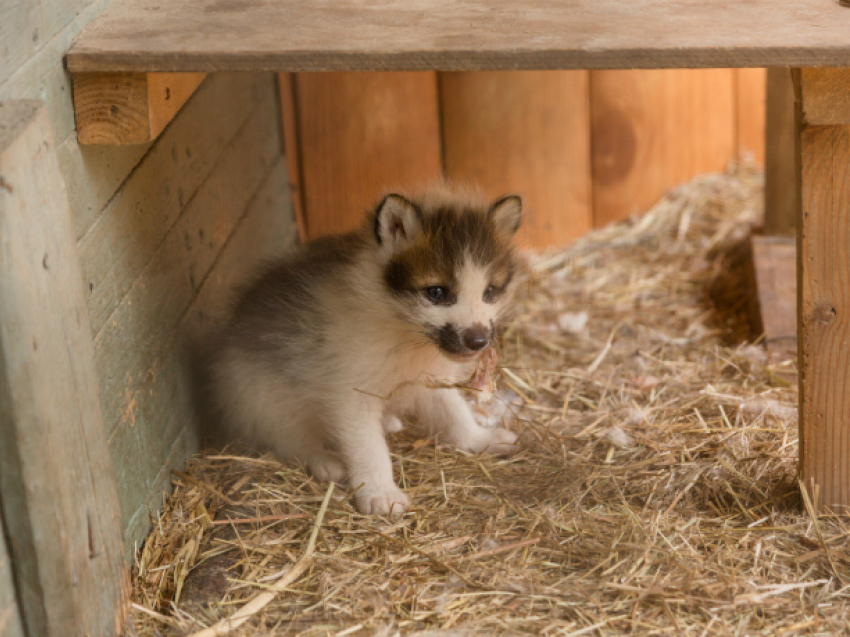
(825, 313)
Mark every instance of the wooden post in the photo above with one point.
(781, 152)
(57, 490)
(823, 259)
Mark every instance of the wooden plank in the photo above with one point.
(292, 148)
(445, 35)
(775, 265)
(59, 501)
(266, 230)
(652, 130)
(361, 134)
(750, 97)
(827, 95)
(129, 108)
(781, 186)
(824, 313)
(10, 615)
(525, 132)
(123, 235)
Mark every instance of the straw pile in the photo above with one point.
(654, 492)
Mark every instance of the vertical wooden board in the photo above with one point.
(292, 147)
(362, 134)
(654, 129)
(10, 616)
(781, 186)
(58, 493)
(20, 31)
(750, 97)
(525, 132)
(824, 323)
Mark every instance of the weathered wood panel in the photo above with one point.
(750, 96)
(827, 93)
(130, 347)
(119, 109)
(265, 230)
(445, 35)
(58, 493)
(361, 133)
(125, 233)
(653, 130)
(10, 616)
(824, 323)
(525, 132)
(781, 185)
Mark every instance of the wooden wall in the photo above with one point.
(163, 230)
(10, 618)
(584, 148)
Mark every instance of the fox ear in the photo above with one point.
(397, 221)
(506, 214)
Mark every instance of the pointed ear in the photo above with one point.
(506, 214)
(397, 221)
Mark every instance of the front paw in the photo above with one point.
(492, 440)
(383, 500)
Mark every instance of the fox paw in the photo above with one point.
(327, 468)
(384, 500)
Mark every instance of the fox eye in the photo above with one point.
(491, 293)
(436, 293)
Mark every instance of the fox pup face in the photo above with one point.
(449, 266)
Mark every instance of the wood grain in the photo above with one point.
(775, 264)
(361, 135)
(824, 267)
(750, 97)
(652, 130)
(827, 95)
(292, 148)
(11, 624)
(526, 132)
(337, 35)
(781, 186)
(59, 501)
(120, 109)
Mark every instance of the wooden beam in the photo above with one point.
(129, 108)
(57, 489)
(823, 266)
(781, 188)
(526, 132)
(827, 92)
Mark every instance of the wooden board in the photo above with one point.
(653, 130)
(750, 97)
(293, 35)
(824, 266)
(775, 265)
(526, 132)
(59, 501)
(360, 135)
(10, 615)
(292, 148)
(781, 186)
(827, 95)
(134, 108)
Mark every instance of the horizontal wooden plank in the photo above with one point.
(59, 502)
(293, 35)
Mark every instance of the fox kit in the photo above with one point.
(329, 347)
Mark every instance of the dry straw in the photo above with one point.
(654, 492)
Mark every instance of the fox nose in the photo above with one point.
(476, 337)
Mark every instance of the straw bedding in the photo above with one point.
(654, 491)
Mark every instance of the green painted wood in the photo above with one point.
(58, 492)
